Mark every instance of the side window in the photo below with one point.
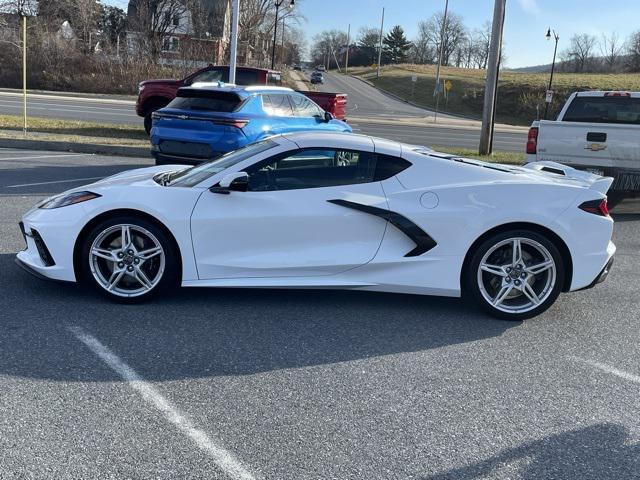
(312, 168)
(277, 105)
(303, 107)
(388, 166)
(209, 76)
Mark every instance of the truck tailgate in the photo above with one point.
(589, 144)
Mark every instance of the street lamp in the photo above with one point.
(549, 95)
(275, 31)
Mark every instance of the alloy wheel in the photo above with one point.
(127, 260)
(516, 275)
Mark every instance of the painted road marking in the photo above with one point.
(53, 181)
(608, 369)
(223, 458)
(47, 156)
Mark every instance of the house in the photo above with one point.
(176, 31)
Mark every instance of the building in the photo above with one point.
(178, 31)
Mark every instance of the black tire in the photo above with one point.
(614, 199)
(472, 276)
(156, 104)
(147, 123)
(92, 268)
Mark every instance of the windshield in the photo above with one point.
(192, 176)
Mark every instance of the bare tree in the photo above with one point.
(19, 7)
(424, 45)
(454, 33)
(481, 41)
(368, 41)
(580, 51)
(154, 21)
(326, 44)
(611, 48)
(633, 52)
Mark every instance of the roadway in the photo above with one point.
(306, 385)
(368, 106)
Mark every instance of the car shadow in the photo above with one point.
(202, 332)
(598, 452)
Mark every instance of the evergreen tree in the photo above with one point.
(395, 45)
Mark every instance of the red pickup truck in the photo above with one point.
(156, 94)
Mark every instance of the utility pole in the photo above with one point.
(436, 92)
(282, 43)
(118, 46)
(553, 66)
(346, 60)
(488, 111)
(380, 46)
(24, 73)
(275, 31)
(235, 11)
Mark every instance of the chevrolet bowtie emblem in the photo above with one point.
(595, 147)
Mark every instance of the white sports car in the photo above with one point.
(332, 210)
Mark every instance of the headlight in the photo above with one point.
(67, 199)
(140, 88)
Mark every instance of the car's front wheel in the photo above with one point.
(515, 275)
(129, 259)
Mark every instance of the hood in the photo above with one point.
(129, 177)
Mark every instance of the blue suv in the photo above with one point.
(206, 121)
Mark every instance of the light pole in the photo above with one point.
(275, 31)
(235, 6)
(436, 92)
(549, 95)
(380, 46)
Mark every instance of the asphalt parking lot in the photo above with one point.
(307, 384)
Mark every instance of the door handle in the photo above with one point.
(600, 137)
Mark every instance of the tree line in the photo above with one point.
(608, 53)
(461, 46)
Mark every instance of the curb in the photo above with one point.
(92, 148)
(411, 122)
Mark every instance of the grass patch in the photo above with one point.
(112, 133)
(513, 158)
(520, 95)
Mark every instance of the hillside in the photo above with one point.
(518, 93)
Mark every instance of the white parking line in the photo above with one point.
(608, 369)
(46, 156)
(53, 181)
(223, 458)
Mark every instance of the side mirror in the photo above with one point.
(328, 116)
(234, 182)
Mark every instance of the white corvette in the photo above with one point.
(332, 210)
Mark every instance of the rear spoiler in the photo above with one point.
(596, 182)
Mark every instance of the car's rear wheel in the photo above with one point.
(129, 259)
(515, 275)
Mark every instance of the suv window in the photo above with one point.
(303, 107)
(277, 104)
(209, 100)
(312, 168)
(604, 110)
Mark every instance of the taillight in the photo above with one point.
(231, 122)
(597, 207)
(532, 140)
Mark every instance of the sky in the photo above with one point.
(526, 21)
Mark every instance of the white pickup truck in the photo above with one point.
(595, 131)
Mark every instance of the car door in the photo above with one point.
(311, 114)
(288, 223)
